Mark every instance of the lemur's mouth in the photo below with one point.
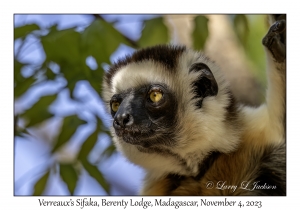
(136, 136)
(147, 138)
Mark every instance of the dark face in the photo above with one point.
(145, 116)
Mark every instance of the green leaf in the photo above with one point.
(17, 71)
(69, 127)
(154, 32)
(96, 174)
(96, 85)
(22, 31)
(69, 176)
(40, 185)
(200, 32)
(241, 28)
(88, 145)
(50, 74)
(39, 111)
(102, 127)
(72, 75)
(22, 87)
(71, 85)
(96, 79)
(62, 46)
(100, 40)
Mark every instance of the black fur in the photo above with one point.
(274, 40)
(141, 122)
(273, 170)
(205, 85)
(166, 55)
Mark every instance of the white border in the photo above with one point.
(8, 8)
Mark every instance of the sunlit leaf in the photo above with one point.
(39, 111)
(200, 32)
(70, 125)
(22, 31)
(88, 145)
(154, 32)
(69, 176)
(40, 185)
(96, 174)
(241, 27)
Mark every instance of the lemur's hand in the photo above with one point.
(274, 40)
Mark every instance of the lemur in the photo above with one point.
(175, 116)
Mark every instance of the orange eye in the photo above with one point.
(155, 96)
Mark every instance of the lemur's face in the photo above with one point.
(154, 93)
(167, 104)
(144, 115)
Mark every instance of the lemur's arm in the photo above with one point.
(269, 119)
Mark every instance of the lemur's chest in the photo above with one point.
(238, 173)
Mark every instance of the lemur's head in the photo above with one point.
(167, 103)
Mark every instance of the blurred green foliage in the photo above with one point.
(69, 176)
(250, 29)
(69, 49)
(200, 32)
(154, 32)
(41, 184)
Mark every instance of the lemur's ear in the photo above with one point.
(205, 85)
